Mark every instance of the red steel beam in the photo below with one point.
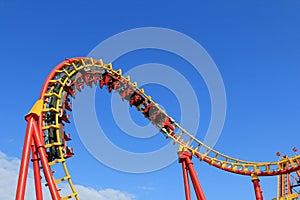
(257, 188)
(21, 188)
(195, 180)
(37, 174)
(186, 180)
(44, 160)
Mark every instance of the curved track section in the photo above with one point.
(72, 75)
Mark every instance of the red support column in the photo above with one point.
(21, 188)
(37, 174)
(195, 180)
(289, 184)
(185, 157)
(283, 182)
(44, 160)
(186, 180)
(257, 188)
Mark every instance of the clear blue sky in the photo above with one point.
(255, 45)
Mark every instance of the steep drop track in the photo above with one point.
(72, 75)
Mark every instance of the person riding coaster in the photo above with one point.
(121, 86)
(63, 116)
(53, 152)
(127, 93)
(158, 118)
(97, 77)
(109, 81)
(68, 152)
(168, 125)
(53, 99)
(88, 79)
(67, 137)
(70, 88)
(136, 99)
(146, 110)
(56, 88)
(85, 75)
(68, 104)
(49, 118)
(79, 84)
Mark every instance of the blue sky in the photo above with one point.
(255, 45)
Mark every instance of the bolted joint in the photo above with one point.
(35, 111)
(254, 178)
(184, 156)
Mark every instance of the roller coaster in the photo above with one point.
(46, 139)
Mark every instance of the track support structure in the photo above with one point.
(185, 158)
(34, 145)
(257, 188)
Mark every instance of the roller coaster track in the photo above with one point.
(50, 113)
